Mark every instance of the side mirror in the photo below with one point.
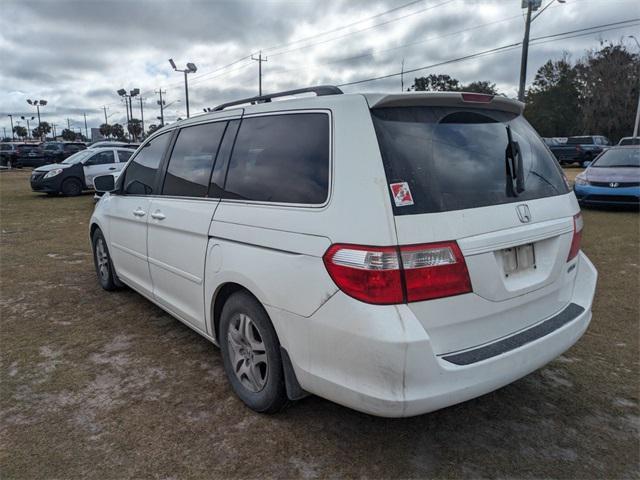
(104, 183)
(586, 164)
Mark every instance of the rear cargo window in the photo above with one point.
(453, 158)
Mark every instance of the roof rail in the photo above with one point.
(320, 90)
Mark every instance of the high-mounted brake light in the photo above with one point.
(391, 275)
(477, 97)
(578, 225)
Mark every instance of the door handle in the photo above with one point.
(158, 215)
(112, 168)
(139, 212)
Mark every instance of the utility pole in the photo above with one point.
(161, 103)
(53, 126)
(525, 52)
(5, 132)
(105, 114)
(402, 76)
(142, 115)
(259, 60)
(86, 131)
(13, 134)
(68, 124)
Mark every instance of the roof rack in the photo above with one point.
(320, 91)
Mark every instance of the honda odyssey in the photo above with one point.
(394, 253)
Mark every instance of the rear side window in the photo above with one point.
(192, 160)
(454, 158)
(281, 158)
(140, 175)
(124, 156)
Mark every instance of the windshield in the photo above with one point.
(78, 157)
(622, 157)
(456, 158)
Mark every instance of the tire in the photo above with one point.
(251, 354)
(71, 187)
(102, 261)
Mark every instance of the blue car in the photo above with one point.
(612, 179)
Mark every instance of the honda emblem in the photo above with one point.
(524, 214)
(614, 184)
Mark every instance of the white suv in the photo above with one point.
(394, 253)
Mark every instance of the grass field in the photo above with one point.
(107, 386)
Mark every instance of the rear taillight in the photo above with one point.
(390, 275)
(578, 225)
(477, 97)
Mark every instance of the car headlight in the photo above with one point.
(581, 180)
(53, 173)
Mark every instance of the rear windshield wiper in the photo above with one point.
(513, 166)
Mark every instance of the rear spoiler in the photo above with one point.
(445, 99)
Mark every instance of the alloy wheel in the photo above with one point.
(248, 353)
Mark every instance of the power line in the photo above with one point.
(614, 26)
(282, 45)
(361, 30)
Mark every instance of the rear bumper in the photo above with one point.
(590, 195)
(380, 360)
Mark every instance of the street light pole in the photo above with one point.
(13, 135)
(161, 103)
(191, 68)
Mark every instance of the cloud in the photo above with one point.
(77, 53)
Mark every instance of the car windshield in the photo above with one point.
(455, 158)
(51, 146)
(78, 157)
(620, 157)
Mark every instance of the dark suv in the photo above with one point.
(20, 154)
(56, 152)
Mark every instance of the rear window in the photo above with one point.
(454, 159)
(580, 140)
(281, 158)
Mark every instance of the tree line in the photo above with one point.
(595, 95)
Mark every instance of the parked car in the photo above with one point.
(579, 150)
(21, 154)
(394, 253)
(56, 152)
(76, 173)
(612, 179)
(629, 141)
(9, 155)
(110, 143)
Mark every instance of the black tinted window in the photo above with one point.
(140, 175)
(101, 158)
(452, 159)
(281, 158)
(124, 156)
(192, 159)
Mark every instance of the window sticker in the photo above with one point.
(401, 194)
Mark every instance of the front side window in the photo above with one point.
(281, 158)
(455, 158)
(192, 160)
(101, 158)
(124, 156)
(140, 175)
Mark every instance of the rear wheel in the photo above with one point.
(251, 354)
(71, 187)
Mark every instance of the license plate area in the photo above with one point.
(518, 259)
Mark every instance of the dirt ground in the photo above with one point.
(107, 386)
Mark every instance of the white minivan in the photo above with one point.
(394, 253)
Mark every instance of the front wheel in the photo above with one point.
(71, 187)
(251, 354)
(102, 262)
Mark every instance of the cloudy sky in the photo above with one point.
(77, 53)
